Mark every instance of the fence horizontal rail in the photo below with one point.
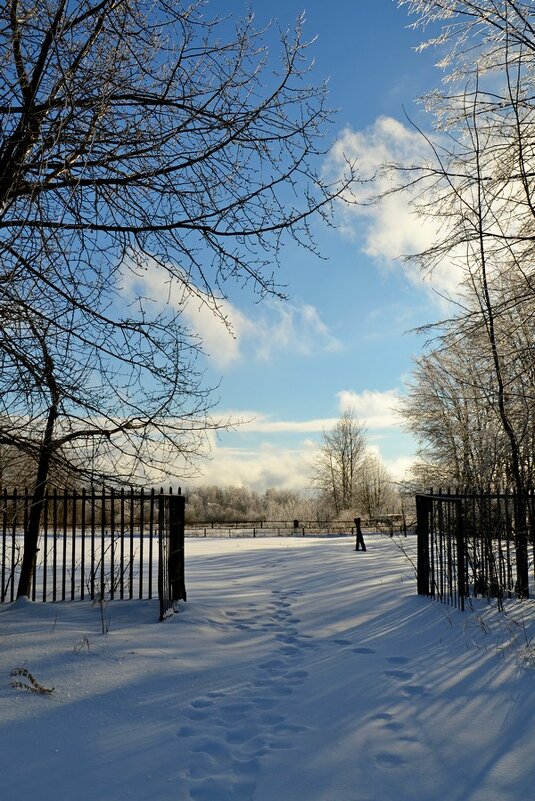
(294, 527)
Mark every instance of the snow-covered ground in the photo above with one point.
(299, 670)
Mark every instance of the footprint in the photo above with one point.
(194, 714)
(201, 703)
(389, 760)
(413, 690)
(290, 728)
(280, 691)
(214, 747)
(186, 731)
(199, 766)
(297, 675)
(289, 639)
(265, 703)
(341, 642)
(400, 675)
(271, 720)
(361, 650)
(288, 650)
(271, 664)
(393, 726)
(397, 660)
(383, 716)
(258, 683)
(238, 736)
(246, 767)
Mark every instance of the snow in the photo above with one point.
(298, 670)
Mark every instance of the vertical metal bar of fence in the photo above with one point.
(13, 542)
(122, 528)
(432, 517)
(72, 517)
(151, 539)
(131, 551)
(529, 526)
(64, 550)
(4, 543)
(449, 554)
(93, 535)
(45, 545)
(500, 575)
(163, 573)
(488, 532)
(461, 555)
(113, 568)
(442, 533)
(476, 543)
(55, 546)
(82, 543)
(102, 588)
(140, 546)
(508, 520)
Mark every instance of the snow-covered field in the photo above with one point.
(299, 670)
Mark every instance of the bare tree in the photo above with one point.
(337, 465)
(137, 136)
(376, 494)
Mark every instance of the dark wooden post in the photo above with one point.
(422, 532)
(359, 539)
(177, 583)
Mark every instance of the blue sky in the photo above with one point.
(341, 338)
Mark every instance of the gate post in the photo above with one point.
(422, 533)
(462, 589)
(177, 583)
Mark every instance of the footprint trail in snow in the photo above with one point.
(228, 736)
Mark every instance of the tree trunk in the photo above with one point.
(31, 534)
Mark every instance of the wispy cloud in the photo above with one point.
(376, 409)
(228, 335)
(257, 423)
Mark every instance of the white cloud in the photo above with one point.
(389, 227)
(376, 409)
(226, 332)
(260, 468)
(256, 423)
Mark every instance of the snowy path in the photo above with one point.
(298, 670)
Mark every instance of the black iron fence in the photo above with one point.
(97, 544)
(473, 544)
